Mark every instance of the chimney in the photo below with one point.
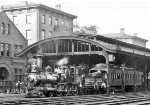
(122, 30)
(135, 34)
(24, 2)
(58, 6)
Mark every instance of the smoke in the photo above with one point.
(63, 61)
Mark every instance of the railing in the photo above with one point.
(5, 83)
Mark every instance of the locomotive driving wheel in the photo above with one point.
(58, 93)
(75, 90)
(50, 94)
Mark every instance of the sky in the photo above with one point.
(108, 15)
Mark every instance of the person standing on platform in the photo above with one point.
(103, 87)
(83, 80)
(18, 86)
(80, 88)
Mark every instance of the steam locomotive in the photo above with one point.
(74, 80)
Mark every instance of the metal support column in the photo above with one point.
(108, 77)
(107, 62)
(134, 75)
(145, 77)
(123, 78)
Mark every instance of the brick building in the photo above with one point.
(37, 21)
(11, 42)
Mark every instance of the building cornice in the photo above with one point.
(18, 7)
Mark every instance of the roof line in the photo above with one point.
(37, 5)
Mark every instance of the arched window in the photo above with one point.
(3, 28)
(8, 29)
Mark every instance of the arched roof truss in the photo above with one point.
(66, 45)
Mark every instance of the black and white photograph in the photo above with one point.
(74, 52)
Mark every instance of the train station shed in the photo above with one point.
(89, 50)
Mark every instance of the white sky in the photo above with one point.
(108, 15)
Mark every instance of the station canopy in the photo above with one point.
(78, 45)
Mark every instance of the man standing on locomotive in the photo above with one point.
(67, 74)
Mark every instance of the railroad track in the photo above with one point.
(127, 99)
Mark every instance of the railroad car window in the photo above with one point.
(118, 76)
(113, 76)
(135, 76)
(139, 76)
(130, 76)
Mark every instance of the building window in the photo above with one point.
(43, 19)
(8, 29)
(20, 71)
(16, 71)
(28, 19)
(63, 23)
(15, 49)
(2, 49)
(43, 34)
(28, 36)
(15, 20)
(56, 22)
(50, 21)
(7, 49)
(20, 48)
(50, 34)
(3, 28)
(18, 75)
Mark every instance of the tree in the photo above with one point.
(91, 29)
